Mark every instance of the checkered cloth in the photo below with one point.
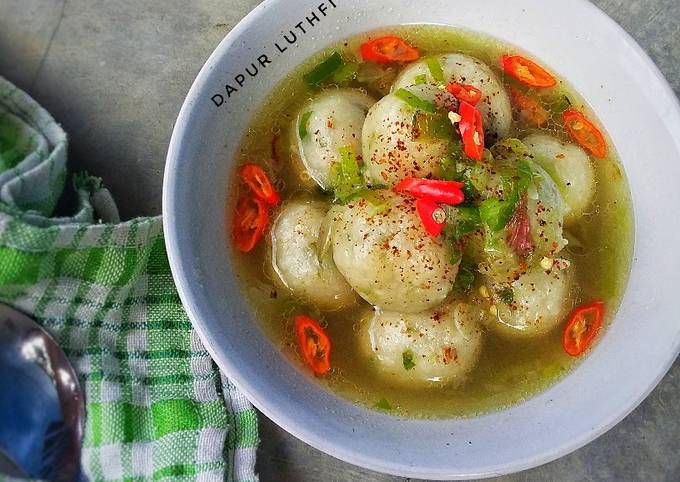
(157, 406)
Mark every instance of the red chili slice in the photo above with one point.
(582, 327)
(447, 192)
(465, 92)
(388, 49)
(314, 344)
(257, 180)
(527, 72)
(250, 220)
(432, 215)
(471, 131)
(585, 133)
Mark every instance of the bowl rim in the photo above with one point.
(286, 421)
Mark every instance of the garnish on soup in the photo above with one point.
(527, 71)
(388, 49)
(314, 344)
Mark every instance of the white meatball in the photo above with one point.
(420, 348)
(570, 168)
(385, 254)
(544, 209)
(298, 261)
(393, 147)
(495, 104)
(332, 120)
(540, 301)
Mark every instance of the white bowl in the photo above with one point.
(639, 111)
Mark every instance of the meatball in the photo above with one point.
(331, 121)
(539, 215)
(545, 207)
(298, 261)
(439, 345)
(393, 144)
(494, 105)
(540, 301)
(382, 249)
(570, 168)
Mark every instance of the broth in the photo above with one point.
(509, 369)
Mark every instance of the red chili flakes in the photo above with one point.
(449, 355)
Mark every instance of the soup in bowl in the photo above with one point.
(418, 247)
(432, 222)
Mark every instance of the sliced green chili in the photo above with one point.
(415, 101)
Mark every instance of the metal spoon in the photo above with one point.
(42, 410)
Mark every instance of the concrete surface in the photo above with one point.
(114, 73)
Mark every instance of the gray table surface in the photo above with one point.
(115, 73)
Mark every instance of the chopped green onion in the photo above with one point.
(407, 360)
(435, 69)
(456, 254)
(469, 191)
(346, 176)
(304, 120)
(346, 73)
(466, 275)
(495, 212)
(447, 169)
(451, 170)
(415, 101)
(420, 79)
(466, 220)
(432, 126)
(324, 70)
(383, 404)
(507, 296)
(440, 127)
(522, 179)
(477, 174)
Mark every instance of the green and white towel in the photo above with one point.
(157, 406)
